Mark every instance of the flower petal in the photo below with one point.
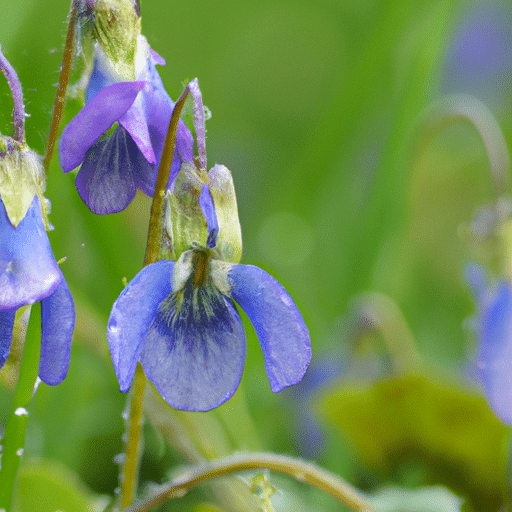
(98, 81)
(132, 314)
(28, 270)
(134, 121)
(107, 107)
(106, 180)
(208, 209)
(495, 352)
(194, 351)
(57, 325)
(6, 326)
(281, 330)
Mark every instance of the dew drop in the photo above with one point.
(119, 458)
(19, 452)
(21, 411)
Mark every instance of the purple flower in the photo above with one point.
(179, 319)
(29, 273)
(115, 163)
(494, 357)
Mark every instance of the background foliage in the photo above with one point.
(317, 110)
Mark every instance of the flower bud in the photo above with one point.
(116, 28)
(186, 224)
(21, 178)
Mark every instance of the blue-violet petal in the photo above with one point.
(495, 352)
(57, 325)
(132, 314)
(281, 330)
(107, 107)
(28, 270)
(6, 326)
(194, 351)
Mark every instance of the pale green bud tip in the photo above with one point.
(22, 176)
(116, 29)
(185, 222)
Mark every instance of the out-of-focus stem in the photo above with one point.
(14, 436)
(299, 469)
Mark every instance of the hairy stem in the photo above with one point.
(60, 97)
(299, 469)
(157, 207)
(18, 111)
(14, 436)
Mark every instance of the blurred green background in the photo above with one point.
(318, 109)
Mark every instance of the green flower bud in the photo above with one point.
(22, 176)
(185, 223)
(116, 28)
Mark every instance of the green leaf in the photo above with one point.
(47, 486)
(419, 429)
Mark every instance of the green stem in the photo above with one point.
(299, 469)
(14, 436)
(60, 97)
(157, 207)
(132, 452)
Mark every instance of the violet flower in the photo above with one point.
(494, 357)
(179, 318)
(114, 164)
(28, 274)
(28, 270)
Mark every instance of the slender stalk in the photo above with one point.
(299, 469)
(18, 111)
(133, 447)
(157, 207)
(60, 97)
(14, 436)
(129, 471)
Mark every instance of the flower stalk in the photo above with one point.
(13, 441)
(18, 112)
(129, 471)
(60, 97)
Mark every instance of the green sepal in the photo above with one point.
(21, 177)
(185, 222)
(116, 29)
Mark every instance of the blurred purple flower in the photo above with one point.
(494, 357)
(479, 58)
(29, 273)
(115, 164)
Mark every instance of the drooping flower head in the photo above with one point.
(179, 318)
(28, 270)
(118, 136)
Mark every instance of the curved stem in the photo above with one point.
(18, 111)
(157, 207)
(60, 97)
(14, 436)
(299, 469)
(129, 471)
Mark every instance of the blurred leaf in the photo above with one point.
(206, 507)
(433, 499)
(46, 486)
(424, 429)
